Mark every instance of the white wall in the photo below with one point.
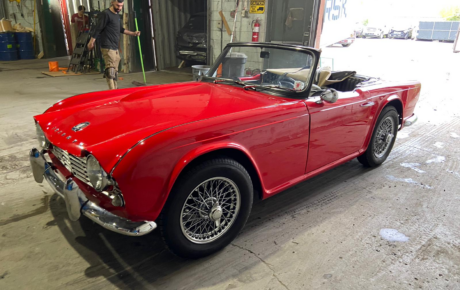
(14, 14)
(243, 31)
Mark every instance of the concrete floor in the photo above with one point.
(321, 234)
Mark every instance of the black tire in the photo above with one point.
(372, 157)
(170, 219)
(346, 44)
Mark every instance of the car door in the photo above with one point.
(337, 129)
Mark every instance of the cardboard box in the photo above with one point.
(5, 25)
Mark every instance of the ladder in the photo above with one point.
(82, 59)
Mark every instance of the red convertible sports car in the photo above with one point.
(190, 158)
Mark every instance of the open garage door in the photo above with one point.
(291, 21)
(169, 17)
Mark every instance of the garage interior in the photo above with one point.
(324, 233)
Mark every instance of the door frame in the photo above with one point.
(66, 26)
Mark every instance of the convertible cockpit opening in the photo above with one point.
(347, 84)
(343, 81)
(269, 66)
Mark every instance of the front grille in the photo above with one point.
(76, 165)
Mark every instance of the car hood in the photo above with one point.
(120, 122)
(192, 35)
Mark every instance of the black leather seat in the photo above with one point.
(346, 85)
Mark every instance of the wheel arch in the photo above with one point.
(238, 153)
(393, 101)
(397, 103)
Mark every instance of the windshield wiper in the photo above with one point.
(221, 80)
(216, 81)
(263, 88)
(252, 87)
(241, 83)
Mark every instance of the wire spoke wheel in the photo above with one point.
(384, 137)
(210, 210)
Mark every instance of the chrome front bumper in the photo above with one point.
(410, 121)
(77, 203)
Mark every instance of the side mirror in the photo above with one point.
(330, 95)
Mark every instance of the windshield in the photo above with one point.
(268, 67)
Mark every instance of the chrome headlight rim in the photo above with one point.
(43, 142)
(98, 178)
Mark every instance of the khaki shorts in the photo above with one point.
(111, 58)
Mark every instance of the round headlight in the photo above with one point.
(42, 141)
(97, 176)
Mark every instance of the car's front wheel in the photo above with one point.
(207, 208)
(383, 138)
(346, 44)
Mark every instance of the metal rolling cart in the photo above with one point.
(83, 60)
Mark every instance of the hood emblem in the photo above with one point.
(80, 126)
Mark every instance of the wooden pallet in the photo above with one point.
(69, 74)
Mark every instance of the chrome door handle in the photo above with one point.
(368, 104)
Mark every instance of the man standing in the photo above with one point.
(80, 20)
(79, 23)
(109, 27)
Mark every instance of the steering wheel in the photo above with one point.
(286, 82)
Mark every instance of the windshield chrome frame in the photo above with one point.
(315, 54)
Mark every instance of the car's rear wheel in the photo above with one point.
(383, 138)
(346, 44)
(207, 208)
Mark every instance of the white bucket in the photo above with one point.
(199, 71)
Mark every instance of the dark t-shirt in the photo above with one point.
(109, 27)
